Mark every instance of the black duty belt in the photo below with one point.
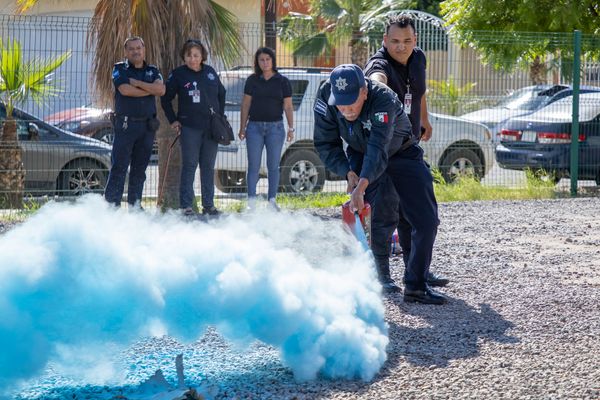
(134, 119)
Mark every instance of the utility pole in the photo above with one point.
(271, 23)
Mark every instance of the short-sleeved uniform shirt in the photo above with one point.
(402, 79)
(267, 96)
(197, 92)
(137, 107)
(379, 132)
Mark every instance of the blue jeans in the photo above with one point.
(197, 147)
(258, 135)
(131, 149)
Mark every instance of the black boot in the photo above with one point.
(383, 273)
(436, 280)
(425, 296)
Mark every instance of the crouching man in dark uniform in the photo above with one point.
(135, 124)
(381, 151)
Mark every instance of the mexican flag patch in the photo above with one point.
(381, 117)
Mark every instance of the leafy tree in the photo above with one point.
(19, 81)
(429, 6)
(331, 22)
(511, 33)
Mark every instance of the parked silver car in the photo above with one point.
(457, 147)
(58, 162)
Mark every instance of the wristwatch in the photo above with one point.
(290, 129)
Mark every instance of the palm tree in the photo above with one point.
(448, 96)
(20, 81)
(164, 25)
(331, 22)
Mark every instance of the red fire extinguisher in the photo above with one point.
(349, 219)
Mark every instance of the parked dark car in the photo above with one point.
(542, 141)
(87, 121)
(522, 102)
(57, 162)
(91, 122)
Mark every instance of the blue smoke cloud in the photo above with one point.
(75, 278)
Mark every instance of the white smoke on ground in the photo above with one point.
(80, 281)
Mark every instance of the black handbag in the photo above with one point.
(221, 129)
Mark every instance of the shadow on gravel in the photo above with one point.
(455, 331)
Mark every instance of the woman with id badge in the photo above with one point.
(198, 90)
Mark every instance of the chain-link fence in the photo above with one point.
(488, 122)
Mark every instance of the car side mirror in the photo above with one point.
(33, 132)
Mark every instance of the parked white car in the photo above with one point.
(457, 147)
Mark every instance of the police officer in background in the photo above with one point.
(401, 65)
(381, 155)
(135, 124)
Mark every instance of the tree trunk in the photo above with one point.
(537, 72)
(169, 164)
(12, 173)
(359, 52)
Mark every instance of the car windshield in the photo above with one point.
(529, 99)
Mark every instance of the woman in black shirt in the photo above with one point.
(198, 89)
(267, 94)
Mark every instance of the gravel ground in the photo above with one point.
(523, 321)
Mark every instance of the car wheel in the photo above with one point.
(231, 181)
(80, 177)
(461, 162)
(106, 135)
(302, 172)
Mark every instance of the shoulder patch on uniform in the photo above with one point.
(320, 107)
(211, 76)
(115, 73)
(381, 117)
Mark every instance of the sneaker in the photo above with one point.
(188, 212)
(273, 205)
(251, 204)
(211, 211)
(137, 206)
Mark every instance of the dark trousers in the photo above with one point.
(197, 147)
(403, 197)
(132, 149)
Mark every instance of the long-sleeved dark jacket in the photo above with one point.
(185, 83)
(379, 132)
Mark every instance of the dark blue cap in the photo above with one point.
(346, 81)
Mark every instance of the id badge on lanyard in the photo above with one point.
(407, 100)
(195, 93)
